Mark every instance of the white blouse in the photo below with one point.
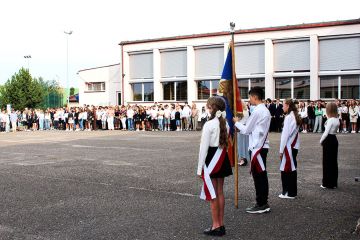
(331, 127)
(288, 133)
(257, 126)
(209, 138)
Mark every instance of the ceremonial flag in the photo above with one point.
(228, 89)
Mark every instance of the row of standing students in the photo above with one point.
(214, 164)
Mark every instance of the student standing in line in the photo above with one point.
(289, 146)
(330, 146)
(214, 164)
(243, 139)
(257, 126)
(318, 118)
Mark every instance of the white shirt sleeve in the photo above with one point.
(249, 127)
(285, 133)
(326, 132)
(204, 146)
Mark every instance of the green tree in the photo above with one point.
(23, 91)
(72, 91)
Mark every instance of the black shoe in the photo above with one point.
(215, 232)
(259, 209)
(222, 228)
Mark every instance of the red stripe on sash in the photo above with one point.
(287, 167)
(206, 190)
(215, 170)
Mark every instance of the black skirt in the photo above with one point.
(225, 169)
(330, 163)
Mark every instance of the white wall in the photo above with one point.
(111, 75)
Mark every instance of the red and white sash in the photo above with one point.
(287, 161)
(257, 163)
(208, 191)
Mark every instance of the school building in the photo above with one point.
(305, 61)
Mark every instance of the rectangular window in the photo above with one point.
(207, 88)
(283, 88)
(181, 91)
(148, 92)
(137, 91)
(302, 87)
(143, 92)
(175, 91)
(169, 91)
(214, 87)
(243, 85)
(203, 90)
(329, 86)
(95, 87)
(350, 87)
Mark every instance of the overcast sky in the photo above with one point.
(37, 27)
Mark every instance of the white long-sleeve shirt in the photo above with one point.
(303, 112)
(257, 127)
(289, 131)
(209, 138)
(331, 127)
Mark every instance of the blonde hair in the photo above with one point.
(331, 110)
(217, 103)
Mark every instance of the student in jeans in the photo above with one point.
(167, 113)
(178, 118)
(318, 117)
(161, 119)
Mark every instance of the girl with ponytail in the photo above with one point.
(289, 146)
(214, 164)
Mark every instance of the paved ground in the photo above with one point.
(142, 185)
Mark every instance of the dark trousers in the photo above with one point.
(278, 124)
(289, 179)
(330, 165)
(261, 181)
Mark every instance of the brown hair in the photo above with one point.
(217, 103)
(331, 110)
(293, 108)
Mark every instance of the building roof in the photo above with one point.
(252, 30)
(98, 67)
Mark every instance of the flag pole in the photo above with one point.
(236, 180)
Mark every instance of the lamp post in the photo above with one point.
(67, 65)
(28, 57)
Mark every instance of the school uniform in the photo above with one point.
(330, 152)
(289, 146)
(213, 161)
(257, 127)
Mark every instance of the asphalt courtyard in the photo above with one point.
(142, 185)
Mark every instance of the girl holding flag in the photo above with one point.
(214, 164)
(289, 146)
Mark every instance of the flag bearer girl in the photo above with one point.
(289, 146)
(214, 164)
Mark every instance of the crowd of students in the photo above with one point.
(159, 117)
(313, 115)
(167, 117)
